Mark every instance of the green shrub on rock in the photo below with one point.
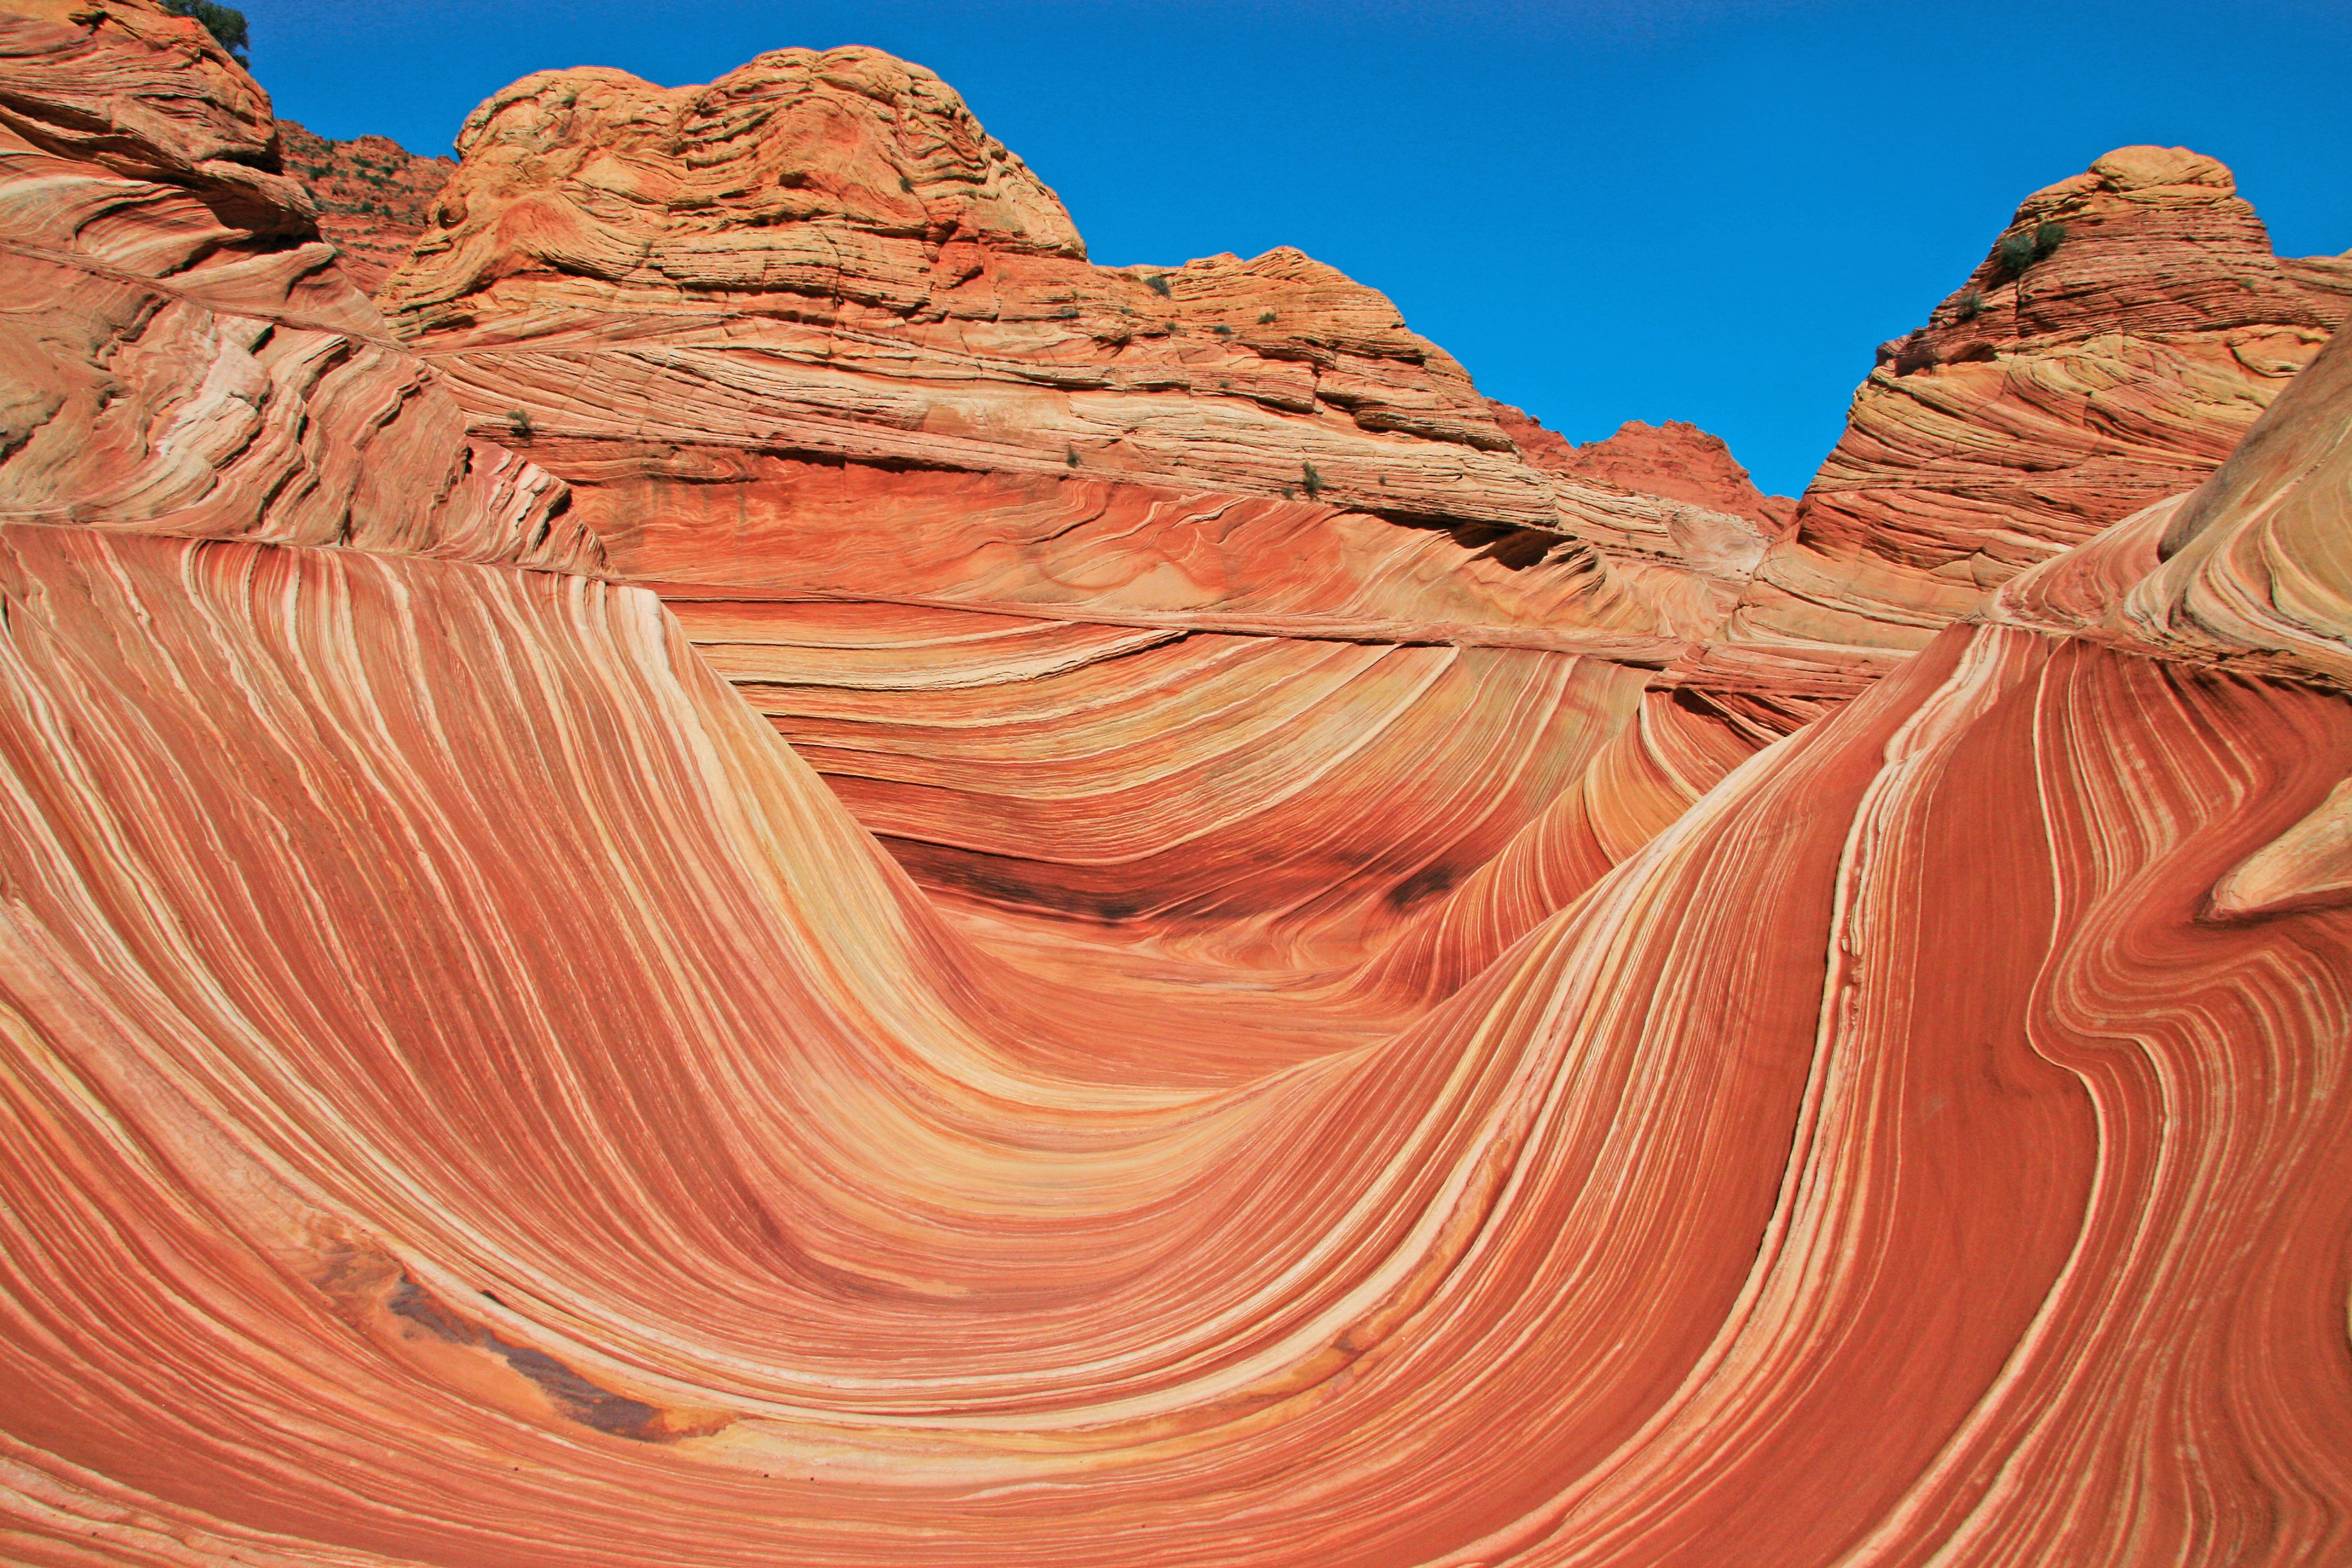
(226, 25)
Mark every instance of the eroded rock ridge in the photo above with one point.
(1288, 1029)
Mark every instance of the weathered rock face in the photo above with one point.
(469, 1095)
(822, 257)
(1676, 459)
(374, 195)
(782, 197)
(826, 364)
(182, 357)
(2069, 382)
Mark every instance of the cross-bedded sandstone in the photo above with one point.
(471, 1094)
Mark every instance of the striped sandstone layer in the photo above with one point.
(2061, 388)
(1208, 605)
(822, 257)
(470, 1094)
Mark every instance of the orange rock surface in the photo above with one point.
(2118, 340)
(1207, 603)
(374, 195)
(1676, 459)
(182, 354)
(470, 1093)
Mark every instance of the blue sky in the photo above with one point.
(1709, 211)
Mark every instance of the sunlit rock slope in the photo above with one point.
(2120, 338)
(374, 195)
(470, 1093)
(1207, 605)
(1675, 459)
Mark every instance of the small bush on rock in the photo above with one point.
(2017, 251)
(226, 27)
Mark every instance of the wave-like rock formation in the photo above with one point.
(471, 1094)
(182, 355)
(2121, 335)
(374, 195)
(1205, 603)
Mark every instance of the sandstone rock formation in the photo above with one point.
(822, 257)
(2126, 329)
(990, 530)
(470, 1094)
(374, 195)
(1676, 459)
(182, 357)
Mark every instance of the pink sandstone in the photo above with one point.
(470, 1093)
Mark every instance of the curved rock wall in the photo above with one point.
(2123, 332)
(181, 356)
(815, 352)
(470, 1094)
(1849, 1129)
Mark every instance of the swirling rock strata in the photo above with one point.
(180, 355)
(2123, 333)
(817, 353)
(470, 1094)
(405, 1229)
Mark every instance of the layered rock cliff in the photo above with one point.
(1676, 459)
(2120, 336)
(1094, 590)
(823, 258)
(374, 195)
(184, 357)
(470, 1094)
